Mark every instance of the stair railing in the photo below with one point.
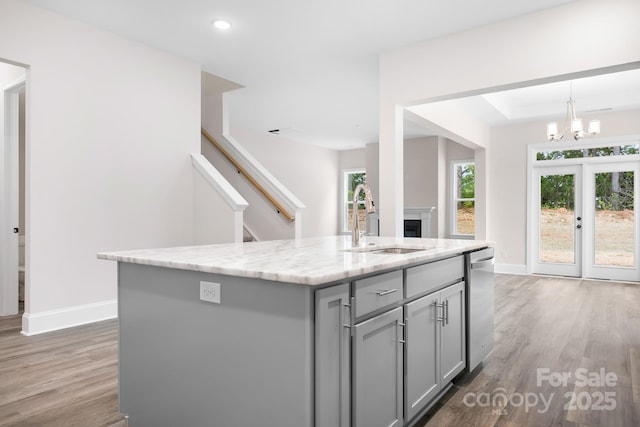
(281, 209)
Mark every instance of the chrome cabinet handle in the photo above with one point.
(437, 306)
(446, 311)
(402, 325)
(385, 292)
(483, 263)
(348, 306)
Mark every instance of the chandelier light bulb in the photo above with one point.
(576, 126)
(594, 127)
(552, 131)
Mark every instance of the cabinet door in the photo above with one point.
(452, 332)
(378, 371)
(422, 350)
(332, 357)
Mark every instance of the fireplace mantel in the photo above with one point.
(421, 213)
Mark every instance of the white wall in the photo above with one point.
(508, 180)
(352, 159)
(573, 38)
(421, 172)
(525, 50)
(111, 125)
(372, 154)
(421, 176)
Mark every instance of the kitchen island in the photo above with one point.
(308, 332)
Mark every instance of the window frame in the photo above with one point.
(345, 199)
(455, 164)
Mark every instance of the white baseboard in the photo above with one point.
(520, 269)
(47, 321)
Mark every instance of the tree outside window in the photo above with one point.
(463, 223)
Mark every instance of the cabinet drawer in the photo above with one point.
(376, 292)
(427, 277)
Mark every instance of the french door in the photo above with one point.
(557, 222)
(584, 222)
(612, 243)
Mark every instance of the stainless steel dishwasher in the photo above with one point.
(480, 306)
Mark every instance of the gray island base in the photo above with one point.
(349, 337)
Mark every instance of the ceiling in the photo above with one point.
(310, 68)
(592, 95)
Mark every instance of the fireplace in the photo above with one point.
(417, 222)
(412, 228)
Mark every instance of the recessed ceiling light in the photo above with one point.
(221, 24)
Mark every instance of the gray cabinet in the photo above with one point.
(435, 349)
(387, 345)
(332, 368)
(452, 341)
(422, 353)
(378, 371)
(432, 276)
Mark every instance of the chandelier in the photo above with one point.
(572, 123)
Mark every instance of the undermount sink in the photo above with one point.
(396, 250)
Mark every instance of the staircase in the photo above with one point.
(273, 212)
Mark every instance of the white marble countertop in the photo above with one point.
(311, 261)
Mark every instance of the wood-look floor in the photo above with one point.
(64, 378)
(561, 325)
(69, 378)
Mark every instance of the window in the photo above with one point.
(463, 206)
(605, 151)
(352, 178)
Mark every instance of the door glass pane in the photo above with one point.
(465, 218)
(614, 219)
(557, 229)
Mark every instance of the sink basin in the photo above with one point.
(396, 250)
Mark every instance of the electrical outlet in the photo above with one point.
(210, 292)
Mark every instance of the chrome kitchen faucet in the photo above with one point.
(368, 201)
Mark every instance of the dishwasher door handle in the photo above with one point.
(484, 263)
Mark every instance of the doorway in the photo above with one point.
(583, 218)
(558, 220)
(12, 189)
